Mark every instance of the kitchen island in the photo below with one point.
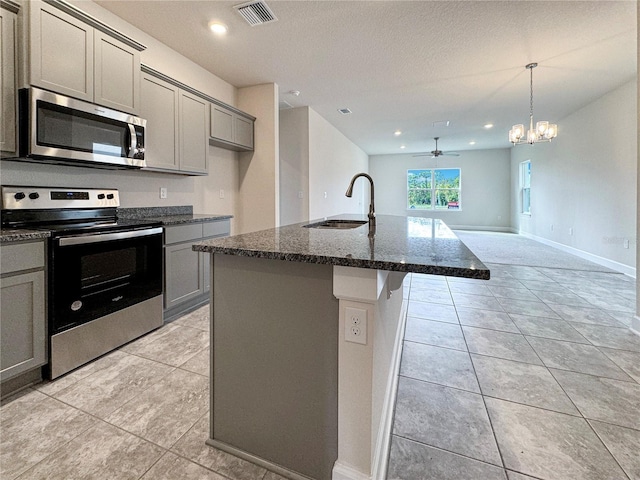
(306, 334)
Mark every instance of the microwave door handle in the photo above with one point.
(132, 141)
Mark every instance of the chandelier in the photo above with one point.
(544, 131)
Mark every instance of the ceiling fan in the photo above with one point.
(437, 153)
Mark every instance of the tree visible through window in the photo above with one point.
(525, 186)
(433, 189)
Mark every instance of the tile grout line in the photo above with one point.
(486, 409)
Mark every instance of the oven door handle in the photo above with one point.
(106, 237)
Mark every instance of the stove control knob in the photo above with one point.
(19, 196)
(34, 195)
(110, 196)
(101, 196)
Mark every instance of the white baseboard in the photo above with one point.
(605, 262)
(483, 228)
(345, 472)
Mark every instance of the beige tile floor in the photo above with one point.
(532, 374)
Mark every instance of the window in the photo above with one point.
(433, 189)
(525, 187)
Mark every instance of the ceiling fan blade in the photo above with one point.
(423, 155)
(451, 154)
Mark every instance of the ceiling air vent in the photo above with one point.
(256, 13)
(345, 111)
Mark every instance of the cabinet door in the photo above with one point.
(8, 81)
(243, 131)
(116, 74)
(61, 50)
(159, 106)
(221, 123)
(194, 129)
(184, 276)
(22, 329)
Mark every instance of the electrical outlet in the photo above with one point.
(300, 194)
(626, 243)
(163, 192)
(551, 227)
(355, 325)
(570, 231)
(221, 193)
(325, 194)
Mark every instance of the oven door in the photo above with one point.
(98, 274)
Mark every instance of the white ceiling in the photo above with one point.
(406, 64)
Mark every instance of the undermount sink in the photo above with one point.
(337, 224)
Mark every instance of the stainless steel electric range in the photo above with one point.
(104, 273)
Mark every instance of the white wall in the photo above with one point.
(485, 183)
(586, 180)
(258, 192)
(139, 188)
(333, 161)
(294, 165)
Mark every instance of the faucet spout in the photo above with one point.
(349, 193)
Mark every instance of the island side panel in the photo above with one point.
(275, 362)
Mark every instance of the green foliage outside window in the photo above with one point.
(433, 189)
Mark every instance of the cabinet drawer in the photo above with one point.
(21, 256)
(215, 229)
(182, 233)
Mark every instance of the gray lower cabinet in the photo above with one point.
(22, 309)
(187, 272)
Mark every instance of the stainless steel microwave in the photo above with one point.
(59, 129)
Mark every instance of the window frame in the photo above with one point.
(525, 187)
(433, 190)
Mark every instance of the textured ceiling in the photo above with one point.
(406, 64)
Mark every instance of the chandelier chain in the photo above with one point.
(531, 94)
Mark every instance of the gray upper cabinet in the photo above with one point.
(177, 127)
(23, 341)
(194, 114)
(8, 71)
(231, 129)
(159, 106)
(71, 57)
(116, 74)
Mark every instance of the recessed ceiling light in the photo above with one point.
(488, 125)
(472, 143)
(218, 28)
(397, 133)
(402, 146)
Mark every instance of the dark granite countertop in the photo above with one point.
(175, 215)
(9, 235)
(404, 244)
(193, 218)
